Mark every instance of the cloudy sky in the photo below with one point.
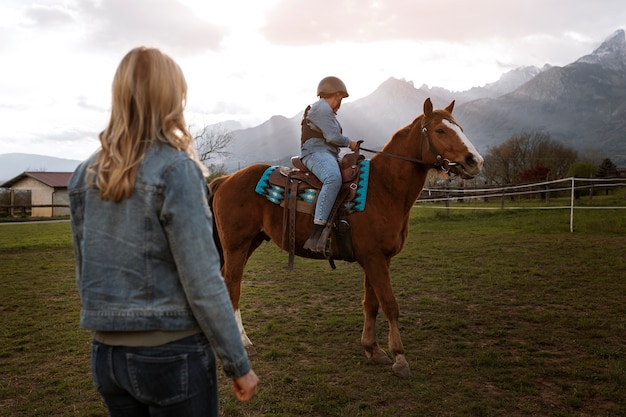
(247, 60)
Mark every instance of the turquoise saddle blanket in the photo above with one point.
(276, 194)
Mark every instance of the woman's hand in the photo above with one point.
(245, 387)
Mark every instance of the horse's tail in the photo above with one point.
(213, 186)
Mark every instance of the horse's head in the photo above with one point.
(443, 143)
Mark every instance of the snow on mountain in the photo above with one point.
(611, 54)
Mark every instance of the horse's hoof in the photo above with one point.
(250, 350)
(378, 356)
(401, 368)
(401, 371)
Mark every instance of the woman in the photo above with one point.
(147, 269)
(321, 139)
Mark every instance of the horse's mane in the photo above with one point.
(403, 132)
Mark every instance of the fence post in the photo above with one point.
(571, 210)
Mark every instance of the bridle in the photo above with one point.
(442, 163)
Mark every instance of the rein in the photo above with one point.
(442, 163)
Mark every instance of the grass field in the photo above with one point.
(503, 313)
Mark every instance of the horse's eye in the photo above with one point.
(440, 131)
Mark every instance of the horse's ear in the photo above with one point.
(450, 107)
(428, 107)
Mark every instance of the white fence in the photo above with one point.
(572, 186)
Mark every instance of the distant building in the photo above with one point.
(614, 172)
(47, 189)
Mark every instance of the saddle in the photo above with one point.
(298, 178)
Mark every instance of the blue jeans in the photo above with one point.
(326, 168)
(175, 379)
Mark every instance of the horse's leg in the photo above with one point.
(378, 283)
(235, 291)
(232, 270)
(368, 338)
(244, 337)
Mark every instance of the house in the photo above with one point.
(48, 192)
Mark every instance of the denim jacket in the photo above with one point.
(149, 262)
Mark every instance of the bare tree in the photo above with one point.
(505, 163)
(211, 141)
(591, 155)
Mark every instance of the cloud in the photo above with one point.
(86, 103)
(247, 60)
(70, 136)
(48, 16)
(224, 107)
(304, 22)
(168, 24)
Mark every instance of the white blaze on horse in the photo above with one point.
(244, 219)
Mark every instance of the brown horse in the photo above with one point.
(244, 219)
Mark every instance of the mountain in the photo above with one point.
(582, 105)
(13, 164)
(508, 82)
(274, 139)
(374, 118)
(611, 54)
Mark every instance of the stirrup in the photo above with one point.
(315, 246)
(311, 245)
(319, 245)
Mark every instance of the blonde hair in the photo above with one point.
(149, 93)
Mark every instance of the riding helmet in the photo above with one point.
(332, 85)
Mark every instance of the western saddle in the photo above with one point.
(298, 178)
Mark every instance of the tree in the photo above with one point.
(582, 169)
(536, 174)
(527, 154)
(607, 169)
(211, 141)
(215, 171)
(592, 155)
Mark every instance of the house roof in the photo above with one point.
(51, 179)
